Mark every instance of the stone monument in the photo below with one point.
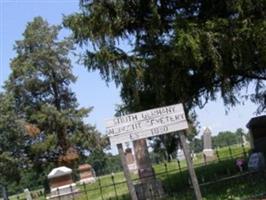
(61, 184)
(87, 174)
(257, 128)
(131, 161)
(208, 152)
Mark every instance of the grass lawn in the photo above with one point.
(177, 179)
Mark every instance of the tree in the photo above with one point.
(226, 138)
(178, 51)
(40, 86)
(12, 142)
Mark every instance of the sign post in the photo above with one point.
(130, 185)
(151, 123)
(191, 170)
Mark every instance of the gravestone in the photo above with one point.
(27, 194)
(257, 129)
(86, 173)
(256, 161)
(131, 161)
(180, 154)
(61, 184)
(207, 145)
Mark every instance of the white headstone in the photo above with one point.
(27, 194)
(180, 154)
(59, 171)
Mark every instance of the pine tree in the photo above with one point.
(40, 85)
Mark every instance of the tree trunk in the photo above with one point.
(145, 169)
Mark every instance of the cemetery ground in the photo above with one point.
(218, 179)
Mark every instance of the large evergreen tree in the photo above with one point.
(180, 51)
(176, 51)
(40, 86)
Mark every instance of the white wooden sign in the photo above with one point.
(146, 124)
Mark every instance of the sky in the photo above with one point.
(90, 89)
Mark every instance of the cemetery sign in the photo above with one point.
(146, 124)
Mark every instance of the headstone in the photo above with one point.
(61, 183)
(27, 194)
(256, 162)
(180, 154)
(207, 145)
(86, 173)
(131, 161)
(257, 129)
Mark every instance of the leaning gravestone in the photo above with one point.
(27, 194)
(207, 145)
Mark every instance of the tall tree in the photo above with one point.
(40, 85)
(178, 51)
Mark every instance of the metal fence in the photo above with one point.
(218, 179)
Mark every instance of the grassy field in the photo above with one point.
(176, 178)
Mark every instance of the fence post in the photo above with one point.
(243, 147)
(113, 181)
(58, 193)
(230, 152)
(72, 194)
(217, 154)
(85, 189)
(179, 166)
(166, 170)
(100, 187)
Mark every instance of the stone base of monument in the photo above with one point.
(65, 192)
(152, 189)
(209, 155)
(87, 180)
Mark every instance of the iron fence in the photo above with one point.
(217, 178)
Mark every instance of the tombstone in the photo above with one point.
(131, 161)
(257, 129)
(61, 184)
(87, 174)
(27, 194)
(208, 152)
(180, 154)
(256, 161)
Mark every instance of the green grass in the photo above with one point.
(176, 180)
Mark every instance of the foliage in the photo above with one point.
(39, 83)
(178, 51)
(227, 138)
(165, 52)
(12, 141)
(41, 123)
